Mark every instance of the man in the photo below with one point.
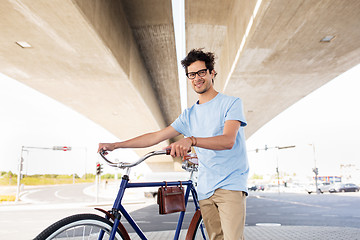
(214, 127)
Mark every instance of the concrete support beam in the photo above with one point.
(284, 60)
(109, 21)
(84, 55)
(114, 61)
(269, 52)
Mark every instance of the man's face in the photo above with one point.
(200, 84)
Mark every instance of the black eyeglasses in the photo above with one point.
(200, 73)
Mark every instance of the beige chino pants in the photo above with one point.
(224, 214)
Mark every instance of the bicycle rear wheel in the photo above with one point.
(197, 229)
(80, 226)
(201, 232)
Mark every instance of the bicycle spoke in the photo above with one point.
(91, 229)
(83, 235)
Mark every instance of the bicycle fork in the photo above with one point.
(115, 214)
(117, 204)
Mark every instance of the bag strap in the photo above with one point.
(181, 186)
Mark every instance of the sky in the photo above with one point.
(326, 121)
(31, 119)
(327, 118)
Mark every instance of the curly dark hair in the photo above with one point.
(199, 55)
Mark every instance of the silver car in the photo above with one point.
(347, 187)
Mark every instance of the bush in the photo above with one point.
(46, 175)
(8, 174)
(89, 176)
(108, 176)
(47, 179)
(256, 176)
(64, 177)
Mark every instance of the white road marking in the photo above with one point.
(268, 224)
(292, 202)
(61, 197)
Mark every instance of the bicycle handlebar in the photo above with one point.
(129, 165)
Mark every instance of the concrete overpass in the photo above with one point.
(114, 61)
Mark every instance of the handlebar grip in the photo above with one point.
(102, 153)
(168, 150)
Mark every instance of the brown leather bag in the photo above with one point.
(171, 199)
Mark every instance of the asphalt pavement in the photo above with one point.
(259, 231)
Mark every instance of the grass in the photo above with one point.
(43, 180)
(38, 180)
(52, 181)
(7, 198)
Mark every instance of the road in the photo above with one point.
(287, 209)
(338, 209)
(57, 194)
(45, 205)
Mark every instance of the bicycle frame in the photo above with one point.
(93, 225)
(118, 207)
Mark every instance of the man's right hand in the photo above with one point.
(180, 148)
(106, 147)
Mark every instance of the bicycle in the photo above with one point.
(92, 226)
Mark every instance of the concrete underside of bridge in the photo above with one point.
(115, 61)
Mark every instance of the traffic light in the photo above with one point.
(99, 168)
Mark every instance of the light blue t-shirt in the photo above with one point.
(226, 169)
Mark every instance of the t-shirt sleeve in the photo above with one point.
(236, 112)
(181, 124)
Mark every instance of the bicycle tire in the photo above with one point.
(77, 227)
(197, 230)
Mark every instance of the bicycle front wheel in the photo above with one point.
(80, 226)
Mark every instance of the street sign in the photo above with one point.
(62, 148)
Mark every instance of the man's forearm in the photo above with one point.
(146, 140)
(221, 142)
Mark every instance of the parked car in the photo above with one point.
(324, 187)
(347, 187)
(311, 188)
(256, 188)
(252, 188)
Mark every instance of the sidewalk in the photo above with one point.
(278, 233)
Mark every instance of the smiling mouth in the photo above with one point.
(199, 84)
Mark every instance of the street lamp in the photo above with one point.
(277, 162)
(315, 169)
(277, 158)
